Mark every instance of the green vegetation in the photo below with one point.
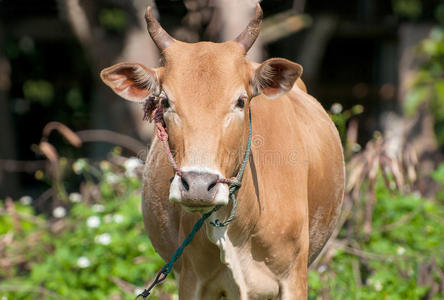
(113, 19)
(400, 259)
(427, 86)
(40, 91)
(86, 250)
(95, 246)
(86, 240)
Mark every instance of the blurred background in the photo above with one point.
(71, 150)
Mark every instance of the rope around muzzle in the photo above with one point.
(234, 185)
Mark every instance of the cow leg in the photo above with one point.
(295, 286)
(188, 282)
(193, 288)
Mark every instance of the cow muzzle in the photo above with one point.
(198, 191)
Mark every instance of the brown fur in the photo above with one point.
(292, 188)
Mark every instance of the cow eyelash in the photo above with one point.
(240, 103)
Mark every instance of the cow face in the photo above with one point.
(206, 89)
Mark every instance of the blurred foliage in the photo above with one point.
(74, 98)
(95, 247)
(428, 84)
(414, 10)
(40, 91)
(87, 250)
(113, 19)
(439, 13)
(400, 259)
(407, 8)
(438, 176)
(50, 80)
(340, 117)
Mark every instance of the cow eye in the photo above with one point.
(165, 103)
(240, 103)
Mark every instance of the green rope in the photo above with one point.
(247, 151)
(168, 267)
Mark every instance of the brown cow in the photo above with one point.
(293, 185)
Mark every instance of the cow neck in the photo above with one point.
(234, 185)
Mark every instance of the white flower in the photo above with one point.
(111, 178)
(322, 268)
(26, 200)
(131, 165)
(105, 165)
(336, 108)
(83, 262)
(400, 250)
(4, 298)
(118, 218)
(108, 218)
(104, 239)
(138, 291)
(75, 197)
(98, 208)
(142, 247)
(378, 285)
(79, 166)
(59, 212)
(93, 222)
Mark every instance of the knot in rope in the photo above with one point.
(234, 186)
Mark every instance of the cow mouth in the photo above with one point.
(200, 208)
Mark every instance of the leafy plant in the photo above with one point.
(428, 84)
(340, 117)
(95, 246)
(89, 250)
(400, 258)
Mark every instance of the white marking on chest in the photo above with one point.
(253, 278)
(228, 255)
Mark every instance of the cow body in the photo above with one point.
(288, 205)
(293, 183)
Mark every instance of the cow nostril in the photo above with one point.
(185, 183)
(212, 185)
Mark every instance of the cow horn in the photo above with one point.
(250, 34)
(162, 39)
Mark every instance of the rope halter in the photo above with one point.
(234, 183)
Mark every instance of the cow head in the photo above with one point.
(206, 90)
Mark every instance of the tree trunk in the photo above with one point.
(235, 16)
(134, 45)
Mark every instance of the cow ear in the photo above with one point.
(276, 76)
(131, 81)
